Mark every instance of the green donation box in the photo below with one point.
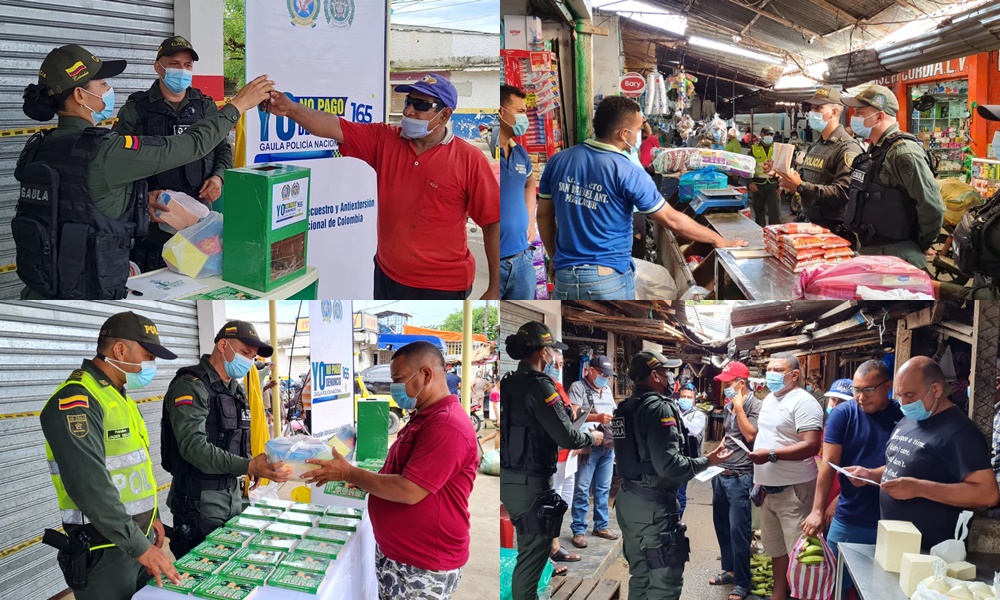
(266, 225)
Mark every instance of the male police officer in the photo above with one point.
(763, 187)
(206, 437)
(654, 458)
(169, 107)
(98, 452)
(894, 204)
(826, 171)
(534, 425)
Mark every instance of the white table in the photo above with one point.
(284, 292)
(350, 577)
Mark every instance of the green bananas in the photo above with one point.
(811, 553)
(762, 579)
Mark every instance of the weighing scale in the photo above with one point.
(725, 200)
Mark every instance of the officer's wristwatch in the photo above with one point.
(772, 457)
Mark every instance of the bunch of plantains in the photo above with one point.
(811, 553)
(761, 576)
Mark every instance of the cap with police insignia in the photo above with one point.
(826, 94)
(876, 96)
(173, 45)
(137, 328)
(537, 335)
(71, 66)
(648, 361)
(244, 332)
(766, 130)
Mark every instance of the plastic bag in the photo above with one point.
(954, 550)
(958, 197)
(264, 492)
(293, 451)
(940, 586)
(184, 211)
(196, 251)
(508, 560)
(490, 464)
(840, 281)
(702, 179)
(811, 581)
(653, 282)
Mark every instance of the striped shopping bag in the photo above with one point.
(812, 581)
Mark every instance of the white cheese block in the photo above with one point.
(895, 538)
(914, 569)
(963, 570)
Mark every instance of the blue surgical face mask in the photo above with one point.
(829, 409)
(729, 392)
(399, 395)
(775, 381)
(134, 381)
(601, 381)
(685, 403)
(553, 372)
(816, 121)
(809, 388)
(768, 139)
(858, 126)
(634, 148)
(239, 366)
(520, 125)
(416, 129)
(108, 98)
(916, 410)
(177, 80)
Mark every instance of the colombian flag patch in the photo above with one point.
(131, 142)
(551, 400)
(231, 329)
(74, 402)
(183, 400)
(669, 422)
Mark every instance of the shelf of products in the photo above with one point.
(537, 73)
(985, 176)
(943, 129)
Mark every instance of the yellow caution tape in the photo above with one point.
(37, 413)
(8, 268)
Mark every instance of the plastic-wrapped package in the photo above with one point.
(673, 160)
(653, 282)
(490, 465)
(293, 451)
(183, 210)
(703, 179)
(196, 251)
(840, 281)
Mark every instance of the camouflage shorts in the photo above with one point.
(398, 580)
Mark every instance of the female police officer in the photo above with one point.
(82, 199)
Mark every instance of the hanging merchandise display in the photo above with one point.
(537, 74)
(683, 85)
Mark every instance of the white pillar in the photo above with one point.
(200, 21)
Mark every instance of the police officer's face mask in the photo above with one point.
(134, 381)
(176, 80)
(108, 98)
(239, 366)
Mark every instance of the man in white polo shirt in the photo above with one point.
(789, 435)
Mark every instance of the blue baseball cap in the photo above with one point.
(433, 85)
(842, 388)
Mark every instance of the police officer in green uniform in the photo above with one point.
(764, 187)
(826, 170)
(83, 198)
(894, 205)
(654, 459)
(206, 437)
(534, 424)
(97, 447)
(168, 108)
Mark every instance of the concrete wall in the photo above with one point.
(420, 48)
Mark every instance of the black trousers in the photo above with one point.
(389, 289)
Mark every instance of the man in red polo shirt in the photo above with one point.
(419, 503)
(429, 182)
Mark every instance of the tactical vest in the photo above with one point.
(126, 457)
(227, 426)
(977, 239)
(816, 168)
(66, 248)
(627, 455)
(525, 448)
(878, 214)
(159, 118)
(761, 156)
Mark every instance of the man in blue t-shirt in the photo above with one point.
(857, 432)
(587, 195)
(937, 461)
(517, 200)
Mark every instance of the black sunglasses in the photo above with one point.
(422, 105)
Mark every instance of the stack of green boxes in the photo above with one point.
(276, 543)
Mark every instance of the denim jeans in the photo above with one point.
(682, 497)
(517, 277)
(731, 514)
(583, 283)
(594, 476)
(852, 534)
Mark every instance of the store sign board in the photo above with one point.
(632, 84)
(955, 67)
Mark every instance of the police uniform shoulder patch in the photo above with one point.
(78, 425)
(71, 402)
(187, 400)
(849, 157)
(668, 422)
(76, 375)
(131, 142)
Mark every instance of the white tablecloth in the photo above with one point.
(350, 577)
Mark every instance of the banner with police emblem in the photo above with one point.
(331, 346)
(330, 55)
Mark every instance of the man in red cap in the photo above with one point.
(731, 488)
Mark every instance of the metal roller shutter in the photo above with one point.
(513, 316)
(111, 29)
(41, 343)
